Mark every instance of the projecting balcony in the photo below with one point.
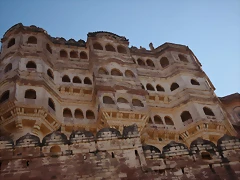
(78, 121)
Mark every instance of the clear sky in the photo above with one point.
(211, 28)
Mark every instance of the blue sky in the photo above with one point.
(211, 29)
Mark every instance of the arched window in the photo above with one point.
(109, 47)
(185, 116)
(160, 88)
(137, 102)
(182, 58)
(150, 87)
(32, 40)
(97, 46)
(51, 104)
(90, 114)
(65, 78)
(49, 48)
(206, 155)
(108, 100)
(11, 42)
(164, 62)
(73, 54)
(50, 73)
(67, 113)
(102, 71)
(31, 65)
(121, 49)
(140, 62)
(122, 100)
(208, 111)
(129, 73)
(150, 63)
(194, 82)
(87, 81)
(174, 86)
(30, 94)
(4, 96)
(63, 53)
(78, 114)
(158, 120)
(55, 149)
(168, 121)
(8, 68)
(83, 55)
(76, 79)
(116, 72)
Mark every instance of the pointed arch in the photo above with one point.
(158, 119)
(78, 114)
(121, 49)
(208, 111)
(103, 71)
(182, 58)
(51, 103)
(164, 62)
(160, 88)
(137, 102)
(174, 86)
(150, 87)
(63, 53)
(8, 68)
(5, 96)
(140, 62)
(122, 100)
(73, 54)
(50, 73)
(109, 47)
(116, 72)
(185, 116)
(129, 73)
(83, 55)
(65, 78)
(108, 100)
(168, 121)
(30, 94)
(11, 42)
(67, 113)
(150, 63)
(90, 114)
(77, 80)
(97, 46)
(48, 47)
(195, 82)
(31, 65)
(32, 40)
(87, 80)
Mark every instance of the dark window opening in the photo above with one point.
(136, 153)
(97, 46)
(140, 62)
(67, 113)
(78, 114)
(76, 80)
(182, 58)
(83, 55)
(90, 114)
(137, 102)
(150, 87)
(31, 65)
(51, 104)
(32, 40)
(113, 156)
(102, 71)
(11, 42)
(73, 54)
(109, 47)
(50, 73)
(108, 100)
(65, 78)
(116, 72)
(129, 73)
(208, 111)
(122, 100)
(194, 82)
(87, 81)
(168, 121)
(164, 62)
(206, 155)
(8, 68)
(63, 54)
(30, 94)
(150, 63)
(185, 116)
(160, 88)
(5, 96)
(158, 120)
(121, 49)
(174, 86)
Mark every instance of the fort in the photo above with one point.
(99, 109)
